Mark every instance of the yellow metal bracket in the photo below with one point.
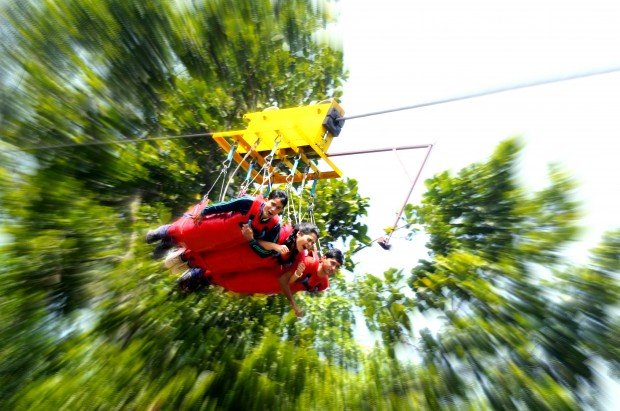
(304, 132)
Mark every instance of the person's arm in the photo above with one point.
(241, 205)
(286, 290)
(275, 247)
(299, 271)
(272, 234)
(269, 242)
(262, 248)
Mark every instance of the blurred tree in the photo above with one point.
(592, 294)
(495, 252)
(82, 304)
(385, 307)
(88, 321)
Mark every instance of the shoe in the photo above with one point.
(174, 261)
(174, 257)
(162, 248)
(152, 236)
(160, 233)
(192, 280)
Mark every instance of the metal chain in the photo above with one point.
(289, 191)
(301, 191)
(223, 193)
(310, 209)
(223, 171)
(248, 180)
(267, 169)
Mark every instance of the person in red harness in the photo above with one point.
(309, 273)
(217, 227)
(292, 244)
(291, 241)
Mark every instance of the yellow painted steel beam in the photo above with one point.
(299, 131)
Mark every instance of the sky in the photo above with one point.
(401, 53)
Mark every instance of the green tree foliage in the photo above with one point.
(509, 323)
(593, 289)
(385, 307)
(77, 284)
(89, 321)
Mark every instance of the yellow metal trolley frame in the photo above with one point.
(303, 133)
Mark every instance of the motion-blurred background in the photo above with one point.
(492, 314)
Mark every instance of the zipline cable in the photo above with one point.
(105, 143)
(490, 91)
(375, 113)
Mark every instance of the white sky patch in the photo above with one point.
(404, 52)
(401, 53)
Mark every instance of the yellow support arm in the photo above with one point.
(306, 132)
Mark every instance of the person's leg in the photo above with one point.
(193, 280)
